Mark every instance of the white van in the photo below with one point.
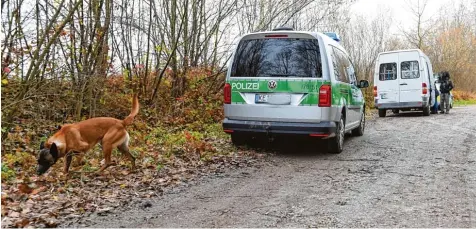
(403, 81)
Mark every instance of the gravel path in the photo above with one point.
(406, 171)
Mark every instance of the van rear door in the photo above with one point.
(387, 79)
(276, 76)
(410, 77)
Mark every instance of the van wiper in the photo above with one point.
(288, 75)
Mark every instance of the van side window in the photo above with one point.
(351, 71)
(336, 64)
(388, 71)
(345, 68)
(410, 70)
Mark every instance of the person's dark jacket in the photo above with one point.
(446, 86)
(437, 92)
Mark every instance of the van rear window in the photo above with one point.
(388, 71)
(284, 57)
(410, 70)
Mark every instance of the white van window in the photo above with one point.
(283, 57)
(410, 70)
(388, 71)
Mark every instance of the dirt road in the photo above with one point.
(406, 171)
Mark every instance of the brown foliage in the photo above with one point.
(464, 95)
(172, 139)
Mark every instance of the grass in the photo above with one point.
(465, 102)
(464, 98)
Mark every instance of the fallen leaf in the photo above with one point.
(25, 211)
(24, 188)
(51, 223)
(103, 211)
(4, 81)
(22, 223)
(14, 214)
(38, 190)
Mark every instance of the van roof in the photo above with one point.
(325, 38)
(403, 50)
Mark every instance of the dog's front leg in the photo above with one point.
(107, 150)
(67, 162)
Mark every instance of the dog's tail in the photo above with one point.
(135, 109)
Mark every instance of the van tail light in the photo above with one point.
(227, 93)
(375, 91)
(325, 96)
(424, 88)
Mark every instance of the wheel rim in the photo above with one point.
(341, 134)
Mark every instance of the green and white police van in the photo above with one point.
(293, 82)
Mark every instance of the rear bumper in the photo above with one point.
(322, 129)
(419, 104)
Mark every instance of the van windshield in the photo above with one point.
(290, 57)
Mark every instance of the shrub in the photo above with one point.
(464, 95)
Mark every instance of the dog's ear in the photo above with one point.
(42, 145)
(54, 151)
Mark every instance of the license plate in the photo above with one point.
(261, 98)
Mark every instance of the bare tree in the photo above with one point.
(31, 68)
(417, 35)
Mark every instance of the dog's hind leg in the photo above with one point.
(124, 148)
(111, 140)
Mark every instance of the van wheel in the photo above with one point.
(359, 131)
(239, 139)
(336, 144)
(382, 113)
(426, 111)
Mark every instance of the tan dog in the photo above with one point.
(80, 137)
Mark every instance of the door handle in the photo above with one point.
(403, 84)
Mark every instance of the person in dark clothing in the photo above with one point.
(435, 106)
(445, 88)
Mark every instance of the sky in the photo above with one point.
(400, 11)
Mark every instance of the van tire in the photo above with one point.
(359, 131)
(335, 145)
(382, 113)
(239, 139)
(426, 111)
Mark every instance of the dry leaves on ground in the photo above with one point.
(48, 201)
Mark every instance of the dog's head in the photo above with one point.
(46, 157)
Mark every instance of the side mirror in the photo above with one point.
(363, 84)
